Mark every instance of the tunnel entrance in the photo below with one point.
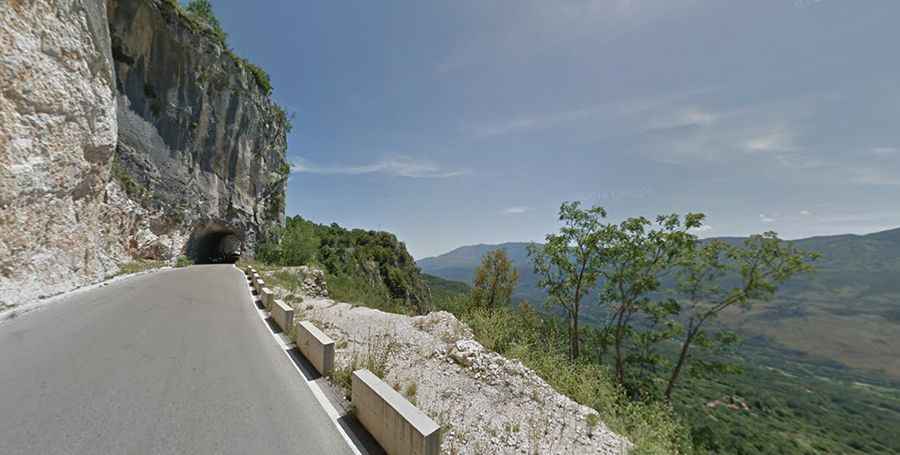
(214, 244)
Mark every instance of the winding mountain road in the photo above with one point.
(171, 362)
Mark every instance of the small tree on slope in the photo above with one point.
(494, 281)
(569, 263)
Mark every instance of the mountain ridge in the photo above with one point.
(848, 311)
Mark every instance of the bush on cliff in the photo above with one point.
(362, 265)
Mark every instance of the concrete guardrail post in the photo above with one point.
(283, 315)
(317, 347)
(400, 427)
(267, 297)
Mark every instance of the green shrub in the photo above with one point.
(365, 267)
(183, 261)
(202, 10)
(540, 342)
(262, 77)
(139, 265)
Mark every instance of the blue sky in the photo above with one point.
(460, 122)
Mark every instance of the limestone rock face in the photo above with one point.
(57, 137)
(126, 130)
(198, 136)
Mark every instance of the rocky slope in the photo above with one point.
(484, 402)
(126, 130)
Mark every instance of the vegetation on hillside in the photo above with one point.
(847, 312)
(723, 403)
(759, 402)
(362, 266)
(494, 281)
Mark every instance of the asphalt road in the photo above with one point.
(173, 362)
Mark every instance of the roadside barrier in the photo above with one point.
(317, 347)
(282, 314)
(400, 427)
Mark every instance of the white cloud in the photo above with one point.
(702, 229)
(525, 123)
(626, 114)
(516, 210)
(805, 212)
(773, 141)
(400, 166)
(766, 219)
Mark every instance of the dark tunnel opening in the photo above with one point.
(214, 244)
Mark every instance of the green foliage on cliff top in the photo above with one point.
(362, 266)
(200, 17)
(202, 10)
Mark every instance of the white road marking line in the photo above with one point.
(314, 387)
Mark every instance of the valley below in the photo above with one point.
(819, 363)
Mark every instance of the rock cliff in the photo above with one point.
(127, 129)
(199, 138)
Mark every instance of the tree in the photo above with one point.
(638, 254)
(494, 281)
(299, 242)
(569, 263)
(717, 275)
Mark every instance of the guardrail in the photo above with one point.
(282, 314)
(400, 427)
(317, 347)
(267, 297)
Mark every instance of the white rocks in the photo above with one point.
(485, 402)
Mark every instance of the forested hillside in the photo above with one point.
(361, 265)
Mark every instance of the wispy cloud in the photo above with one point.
(525, 123)
(702, 229)
(684, 118)
(516, 210)
(400, 166)
(805, 212)
(872, 176)
(636, 115)
(773, 141)
(766, 219)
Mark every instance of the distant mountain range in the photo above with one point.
(848, 311)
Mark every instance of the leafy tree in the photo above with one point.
(494, 281)
(569, 263)
(299, 242)
(638, 253)
(716, 275)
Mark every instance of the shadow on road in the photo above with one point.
(361, 438)
(308, 370)
(272, 325)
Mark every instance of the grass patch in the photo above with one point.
(355, 290)
(139, 265)
(183, 261)
(375, 356)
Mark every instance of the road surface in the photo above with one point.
(172, 362)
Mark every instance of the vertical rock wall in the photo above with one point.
(57, 137)
(126, 130)
(199, 137)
